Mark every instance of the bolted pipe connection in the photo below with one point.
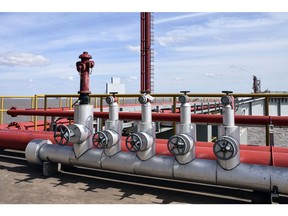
(227, 147)
(84, 67)
(181, 145)
(110, 138)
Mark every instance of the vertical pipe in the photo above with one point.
(145, 31)
(267, 126)
(45, 108)
(174, 111)
(185, 114)
(36, 107)
(60, 102)
(146, 114)
(2, 110)
(142, 55)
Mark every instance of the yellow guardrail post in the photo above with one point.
(60, 101)
(267, 129)
(35, 107)
(2, 111)
(174, 111)
(45, 117)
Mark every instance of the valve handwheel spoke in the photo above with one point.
(62, 132)
(100, 140)
(177, 145)
(133, 142)
(224, 149)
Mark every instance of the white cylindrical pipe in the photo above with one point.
(113, 112)
(279, 178)
(162, 165)
(83, 114)
(53, 153)
(121, 162)
(250, 176)
(228, 116)
(199, 170)
(185, 114)
(91, 159)
(247, 176)
(146, 113)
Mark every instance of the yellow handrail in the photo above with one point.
(100, 97)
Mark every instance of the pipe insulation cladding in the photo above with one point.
(247, 176)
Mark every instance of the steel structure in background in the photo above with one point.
(256, 85)
(146, 52)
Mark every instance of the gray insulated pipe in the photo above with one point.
(247, 176)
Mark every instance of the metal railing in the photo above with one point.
(98, 102)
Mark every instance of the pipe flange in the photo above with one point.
(225, 148)
(32, 150)
(179, 144)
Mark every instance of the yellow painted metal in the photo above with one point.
(2, 111)
(173, 99)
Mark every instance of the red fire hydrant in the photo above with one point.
(83, 67)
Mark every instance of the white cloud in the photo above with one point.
(262, 45)
(223, 27)
(22, 59)
(132, 79)
(134, 48)
(178, 18)
(209, 74)
(71, 78)
(178, 78)
(234, 22)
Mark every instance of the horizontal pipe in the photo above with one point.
(18, 140)
(247, 176)
(195, 118)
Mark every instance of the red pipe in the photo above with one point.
(196, 118)
(18, 140)
(145, 59)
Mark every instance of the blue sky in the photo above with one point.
(201, 52)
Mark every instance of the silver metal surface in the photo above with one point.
(228, 116)
(232, 131)
(56, 154)
(32, 150)
(146, 111)
(279, 178)
(113, 112)
(227, 150)
(115, 137)
(160, 164)
(122, 162)
(185, 113)
(247, 176)
(199, 170)
(79, 133)
(83, 114)
(91, 158)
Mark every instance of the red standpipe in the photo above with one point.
(145, 59)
